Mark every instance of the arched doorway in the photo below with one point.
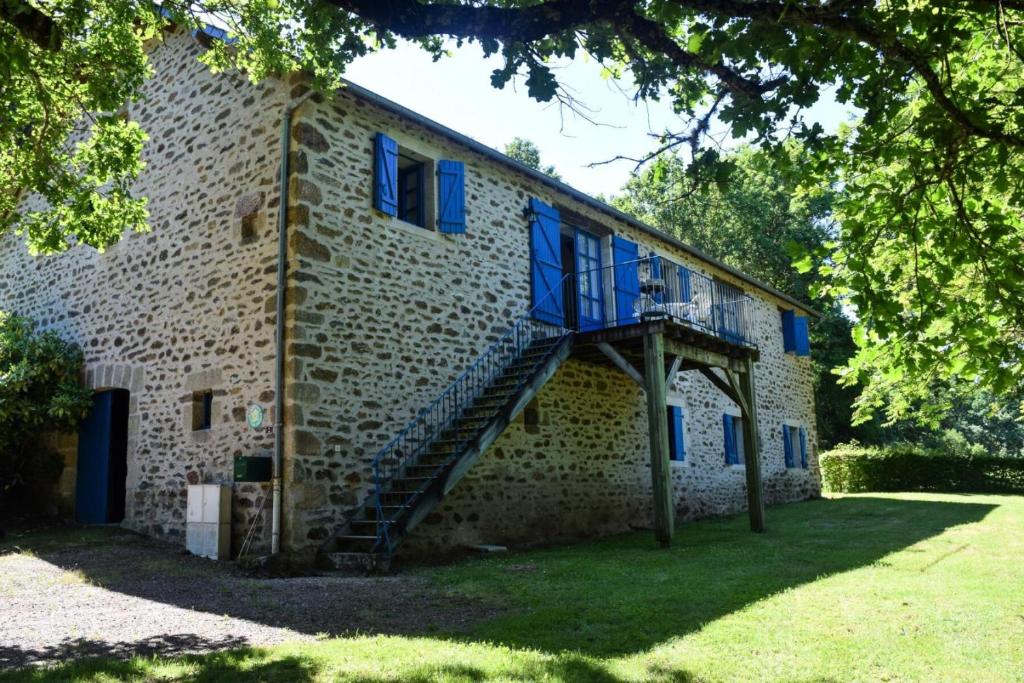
(103, 459)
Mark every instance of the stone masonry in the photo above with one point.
(382, 316)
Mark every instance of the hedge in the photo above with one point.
(853, 468)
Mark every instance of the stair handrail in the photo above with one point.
(449, 405)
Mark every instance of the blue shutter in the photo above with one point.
(685, 294)
(788, 331)
(787, 446)
(656, 275)
(730, 440)
(803, 448)
(627, 279)
(546, 263)
(675, 433)
(452, 196)
(385, 191)
(803, 342)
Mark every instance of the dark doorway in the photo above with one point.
(569, 283)
(103, 459)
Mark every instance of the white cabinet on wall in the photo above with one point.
(208, 521)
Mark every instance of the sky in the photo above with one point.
(456, 91)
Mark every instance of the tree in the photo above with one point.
(40, 393)
(931, 233)
(525, 152)
(753, 218)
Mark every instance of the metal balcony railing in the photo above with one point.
(655, 287)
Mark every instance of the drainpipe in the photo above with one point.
(282, 283)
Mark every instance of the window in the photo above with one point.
(733, 435)
(417, 190)
(795, 334)
(676, 433)
(531, 417)
(202, 410)
(794, 444)
(411, 208)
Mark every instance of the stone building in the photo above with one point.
(428, 281)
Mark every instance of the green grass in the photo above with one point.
(872, 587)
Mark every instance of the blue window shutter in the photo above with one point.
(546, 263)
(656, 275)
(787, 446)
(730, 440)
(789, 331)
(627, 279)
(803, 448)
(803, 342)
(385, 191)
(684, 284)
(452, 196)
(675, 433)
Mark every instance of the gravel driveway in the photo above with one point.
(114, 593)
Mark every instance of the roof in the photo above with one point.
(389, 105)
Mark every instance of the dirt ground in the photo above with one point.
(73, 592)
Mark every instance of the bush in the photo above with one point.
(852, 468)
(40, 393)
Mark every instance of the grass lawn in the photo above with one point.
(875, 587)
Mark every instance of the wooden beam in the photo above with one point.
(740, 397)
(670, 378)
(657, 427)
(722, 385)
(622, 364)
(752, 445)
(703, 356)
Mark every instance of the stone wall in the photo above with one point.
(391, 313)
(187, 307)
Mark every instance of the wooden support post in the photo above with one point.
(622, 364)
(752, 454)
(657, 427)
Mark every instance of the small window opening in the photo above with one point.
(411, 182)
(249, 228)
(202, 410)
(531, 417)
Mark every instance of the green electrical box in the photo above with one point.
(253, 468)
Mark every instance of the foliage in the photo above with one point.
(931, 246)
(852, 468)
(822, 594)
(754, 218)
(525, 152)
(40, 392)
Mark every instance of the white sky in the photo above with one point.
(457, 92)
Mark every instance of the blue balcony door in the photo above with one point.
(590, 287)
(102, 459)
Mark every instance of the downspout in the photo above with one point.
(282, 283)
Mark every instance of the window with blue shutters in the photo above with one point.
(417, 190)
(795, 333)
(790, 444)
(794, 445)
(676, 433)
(732, 428)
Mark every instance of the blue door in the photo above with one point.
(546, 263)
(590, 289)
(102, 459)
(625, 255)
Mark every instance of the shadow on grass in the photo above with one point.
(220, 667)
(623, 595)
(597, 599)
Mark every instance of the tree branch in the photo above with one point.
(31, 23)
